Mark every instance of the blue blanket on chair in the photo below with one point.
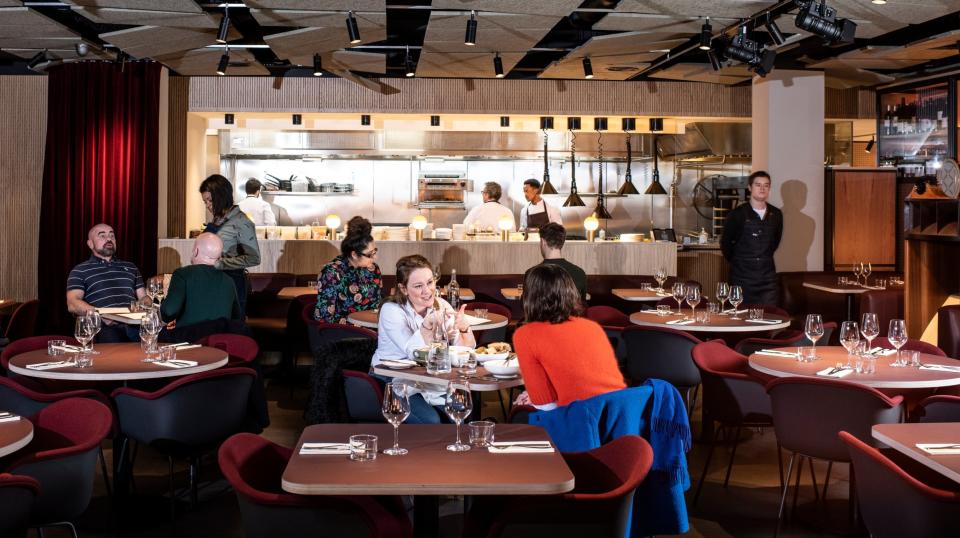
(654, 411)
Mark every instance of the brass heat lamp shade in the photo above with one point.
(574, 200)
(627, 188)
(601, 211)
(655, 187)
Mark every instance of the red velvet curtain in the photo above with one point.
(100, 165)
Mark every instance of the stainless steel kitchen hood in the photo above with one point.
(708, 138)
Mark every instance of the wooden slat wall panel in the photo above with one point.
(179, 96)
(852, 103)
(23, 131)
(864, 232)
(667, 98)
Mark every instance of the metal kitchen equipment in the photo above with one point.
(442, 190)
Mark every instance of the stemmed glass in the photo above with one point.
(813, 329)
(160, 293)
(849, 338)
(95, 323)
(679, 292)
(660, 276)
(84, 331)
(858, 271)
(693, 299)
(866, 269)
(436, 274)
(869, 328)
(736, 297)
(897, 336)
(396, 409)
(153, 288)
(150, 327)
(458, 405)
(723, 291)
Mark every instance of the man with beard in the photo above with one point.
(104, 281)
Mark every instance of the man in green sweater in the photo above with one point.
(201, 292)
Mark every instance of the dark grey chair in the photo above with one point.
(662, 354)
(17, 495)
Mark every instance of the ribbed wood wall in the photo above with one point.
(852, 103)
(23, 133)
(178, 97)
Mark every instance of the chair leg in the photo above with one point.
(103, 470)
(796, 487)
(503, 407)
(194, 471)
(173, 497)
(693, 402)
(783, 494)
(780, 463)
(733, 454)
(826, 481)
(813, 480)
(706, 467)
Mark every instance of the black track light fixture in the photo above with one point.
(470, 38)
(587, 68)
(574, 199)
(821, 19)
(715, 61)
(870, 144)
(317, 65)
(600, 124)
(365, 119)
(224, 63)
(408, 64)
(224, 27)
(498, 66)
(750, 52)
(656, 125)
(573, 123)
(229, 119)
(655, 186)
(706, 35)
(775, 34)
(353, 30)
(37, 59)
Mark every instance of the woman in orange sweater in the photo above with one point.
(563, 357)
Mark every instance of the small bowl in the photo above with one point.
(458, 354)
(510, 367)
(485, 357)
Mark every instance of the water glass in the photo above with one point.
(167, 353)
(702, 317)
(842, 281)
(438, 361)
(468, 365)
(481, 312)
(134, 306)
(663, 310)
(755, 313)
(646, 286)
(363, 447)
(809, 354)
(912, 358)
(857, 363)
(84, 359)
(481, 433)
(55, 347)
(869, 327)
(869, 364)
(312, 284)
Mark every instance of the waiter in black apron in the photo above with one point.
(751, 234)
(537, 213)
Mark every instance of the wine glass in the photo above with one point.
(897, 336)
(679, 292)
(150, 327)
(723, 291)
(83, 331)
(866, 270)
(458, 405)
(869, 328)
(660, 276)
(436, 274)
(813, 329)
(153, 287)
(95, 324)
(849, 338)
(160, 291)
(396, 409)
(736, 297)
(858, 271)
(693, 299)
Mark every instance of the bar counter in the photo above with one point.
(467, 257)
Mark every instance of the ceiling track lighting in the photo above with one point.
(573, 123)
(628, 187)
(821, 19)
(317, 65)
(574, 199)
(353, 30)
(498, 66)
(547, 187)
(471, 37)
(656, 125)
(587, 68)
(706, 35)
(298, 119)
(715, 61)
(408, 64)
(600, 124)
(601, 209)
(655, 187)
(224, 63)
(228, 119)
(37, 59)
(744, 49)
(224, 27)
(435, 121)
(775, 34)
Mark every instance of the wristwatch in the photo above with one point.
(464, 331)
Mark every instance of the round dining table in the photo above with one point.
(118, 362)
(370, 319)
(14, 435)
(886, 377)
(718, 323)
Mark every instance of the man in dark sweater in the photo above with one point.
(201, 292)
(552, 238)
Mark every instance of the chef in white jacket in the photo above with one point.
(487, 215)
(256, 208)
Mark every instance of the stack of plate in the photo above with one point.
(343, 187)
(443, 233)
(459, 232)
(396, 233)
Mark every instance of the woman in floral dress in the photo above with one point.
(351, 282)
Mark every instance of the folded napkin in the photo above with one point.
(939, 448)
(177, 363)
(680, 322)
(881, 351)
(732, 311)
(114, 310)
(835, 372)
(325, 448)
(49, 365)
(68, 348)
(398, 363)
(474, 320)
(940, 368)
(520, 447)
(776, 353)
(9, 417)
(764, 321)
(184, 347)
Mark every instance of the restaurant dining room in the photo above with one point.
(479, 268)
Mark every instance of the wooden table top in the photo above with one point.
(904, 438)
(118, 362)
(14, 435)
(371, 318)
(836, 288)
(428, 469)
(513, 294)
(637, 294)
(718, 323)
(482, 381)
(887, 377)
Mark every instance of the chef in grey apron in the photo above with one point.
(544, 212)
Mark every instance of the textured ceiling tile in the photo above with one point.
(463, 65)
(495, 32)
(10, 3)
(368, 22)
(183, 6)
(39, 43)
(734, 74)
(60, 53)
(319, 5)
(138, 17)
(152, 41)
(864, 63)
(23, 22)
(705, 8)
(305, 42)
(626, 43)
(853, 77)
(204, 63)
(559, 8)
(652, 23)
(367, 62)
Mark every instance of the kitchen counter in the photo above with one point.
(467, 257)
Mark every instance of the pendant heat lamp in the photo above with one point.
(628, 187)
(574, 199)
(547, 187)
(601, 210)
(655, 186)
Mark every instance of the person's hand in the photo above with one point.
(523, 399)
(460, 321)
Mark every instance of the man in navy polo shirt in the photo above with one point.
(104, 281)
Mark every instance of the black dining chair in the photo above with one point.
(660, 353)
(17, 496)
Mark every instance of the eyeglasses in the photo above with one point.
(370, 254)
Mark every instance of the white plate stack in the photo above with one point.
(458, 232)
(396, 233)
(443, 233)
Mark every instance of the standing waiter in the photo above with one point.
(751, 234)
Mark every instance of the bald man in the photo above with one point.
(103, 281)
(201, 292)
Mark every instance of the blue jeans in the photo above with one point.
(421, 412)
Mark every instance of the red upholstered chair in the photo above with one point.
(254, 465)
(364, 397)
(937, 408)
(733, 396)
(62, 457)
(493, 335)
(894, 503)
(17, 496)
(243, 350)
(911, 345)
(23, 321)
(322, 333)
(30, 343)
(599, 505)
(948, 330)
(886, 304)
(808, 413)
(749, 346)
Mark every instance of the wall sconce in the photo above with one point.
(419, 223)
(591, 224)
(332, 222)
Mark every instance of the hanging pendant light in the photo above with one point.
(628, 187)
(655, 186)
(601, 210)
(574, 199)
(547, 187)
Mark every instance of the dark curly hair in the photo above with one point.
(549, 294)
(221, 193)
(357, 238)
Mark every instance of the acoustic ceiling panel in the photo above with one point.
(300, 45)
(139, 17)
(38, 43)
(152, 41)
(629, 22)
(630, 43)
(60, 52)
(319, 5)
(732, 9)
(10, 3)
(18, 22)
(734, 74)
(372, 25)
(204, 63)
(558, 8)
(852, 77)
(366, 62)
(477, 64)
(504, 32)
(183, 6)
(609, 68)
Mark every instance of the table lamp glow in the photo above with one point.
(505, 224)
(419, 223)
(591, 224)
(332, 222)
